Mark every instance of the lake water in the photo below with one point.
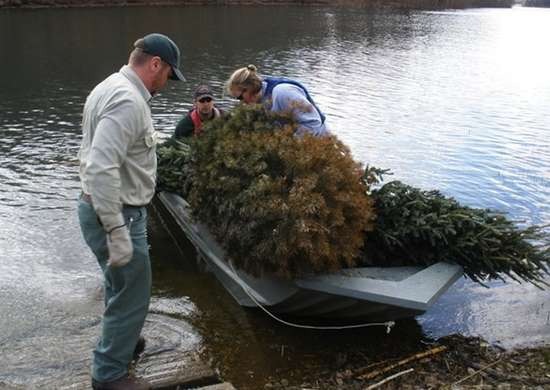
(458, 101)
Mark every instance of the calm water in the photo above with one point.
(451, 100)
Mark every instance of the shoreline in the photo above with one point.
(375, 4)
(452, 361)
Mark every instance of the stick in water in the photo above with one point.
(420, 355)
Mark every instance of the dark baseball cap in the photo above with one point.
(203, 91)
(160, 45)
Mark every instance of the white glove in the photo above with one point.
(119, 242)
(120, 246)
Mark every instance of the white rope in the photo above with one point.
(387, 324)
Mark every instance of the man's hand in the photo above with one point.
(120, 246)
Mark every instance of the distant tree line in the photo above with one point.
(537, 3)
(410, 4)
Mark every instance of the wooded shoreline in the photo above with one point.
(399, 4)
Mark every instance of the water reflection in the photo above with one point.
(496, 314)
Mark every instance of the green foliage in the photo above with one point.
(173, 157)
(374, 176)
(417, 227)
(292, 205)
(279, 203)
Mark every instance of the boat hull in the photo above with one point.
(373, 293)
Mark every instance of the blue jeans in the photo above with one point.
(127, 292)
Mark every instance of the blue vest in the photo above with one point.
(272, 82)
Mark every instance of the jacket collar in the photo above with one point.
(132, 76)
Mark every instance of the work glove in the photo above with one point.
(119, 242)
(120, 247)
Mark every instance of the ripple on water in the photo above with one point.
(490, 313)
(180, 306)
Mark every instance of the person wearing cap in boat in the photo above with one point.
(117, 173)
(203, 110)
(278, 94)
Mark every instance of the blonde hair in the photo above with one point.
(246, 77)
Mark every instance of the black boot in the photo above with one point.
(140, 347)
(125, 383)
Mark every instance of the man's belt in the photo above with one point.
(88, 199)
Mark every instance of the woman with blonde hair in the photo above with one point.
(278, 94)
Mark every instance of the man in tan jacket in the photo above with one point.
(118, 172)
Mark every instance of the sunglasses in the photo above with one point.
(240, 97)
(205, 100)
